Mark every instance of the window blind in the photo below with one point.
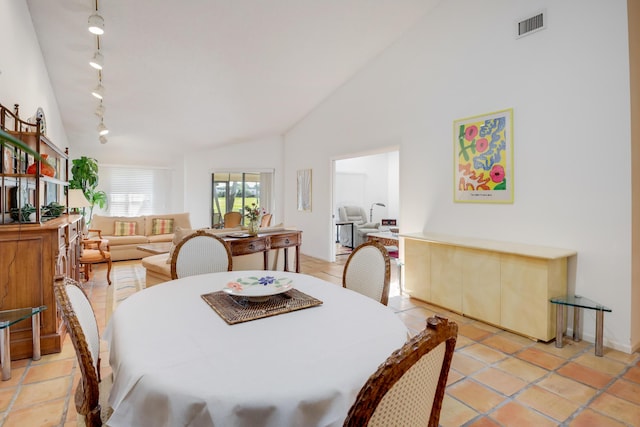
(133, 191)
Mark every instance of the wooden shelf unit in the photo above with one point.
(36, 249)
(505, 284)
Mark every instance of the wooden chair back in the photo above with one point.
(368, 271)
(408, 388)
(266, 220)
(82, 327)
(200, 253)
(232, 219)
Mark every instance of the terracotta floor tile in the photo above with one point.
(53, 369)
(521, 369)
(455, 413)
(473, 332)
(568, 350)
(483, 353)
(590, 418)
(501, 381)
(620, 356)
(483, 422)
(540, 358)
(504, 344)
(548, 403)
(415, 324)
(514, 414)
(48, 414)
(463, 342)
(602, 364)
(475, 395)
(633, 374)
(616, 408)
(44, 391)
(454, 377)
(585, 375)
(626, 390)
(6, 396)
(466, 365)
(485, 327)
(568, 388)
(17, 375)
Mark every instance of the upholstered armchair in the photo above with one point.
(361, 227)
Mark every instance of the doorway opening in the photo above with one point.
(368, 184)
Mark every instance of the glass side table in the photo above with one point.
(578, 303)
(9, 318)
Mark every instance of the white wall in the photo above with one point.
(245, 157)
(569, 88)
(23, 77)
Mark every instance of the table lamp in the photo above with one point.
(76, 199)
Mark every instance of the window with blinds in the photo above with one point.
(133, 191)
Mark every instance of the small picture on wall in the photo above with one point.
(483, 158)
(304, 190)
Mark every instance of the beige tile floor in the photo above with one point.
(497, 378)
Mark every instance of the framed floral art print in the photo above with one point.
(483, 158)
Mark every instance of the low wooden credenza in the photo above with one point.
(505, 284)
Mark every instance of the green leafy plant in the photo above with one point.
(84, 174)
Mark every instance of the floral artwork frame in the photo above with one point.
(304, 190)
(483, 158)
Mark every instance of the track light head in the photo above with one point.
(96, 24)
(103, 139)
(97, 61)
(98, 91)
(102, 129)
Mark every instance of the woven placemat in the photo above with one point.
(234, 309)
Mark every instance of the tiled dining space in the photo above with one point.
(497, 378)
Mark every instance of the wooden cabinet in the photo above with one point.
(35, 245)
(505, 284)
(30, 256)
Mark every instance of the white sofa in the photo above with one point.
(125, 247)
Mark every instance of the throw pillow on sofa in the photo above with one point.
(162, 226)
(125, 228)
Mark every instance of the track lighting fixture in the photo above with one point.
(102, 129)
(103, 139)
(97, 61)
(100, 110)
(98, 91)
(96, 23)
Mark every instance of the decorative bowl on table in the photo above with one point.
(258, 289)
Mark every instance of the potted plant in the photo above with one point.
(85, 177)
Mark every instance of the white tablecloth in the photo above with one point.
(177, 363)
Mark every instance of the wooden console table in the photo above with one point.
(505, 284)
(263, 242)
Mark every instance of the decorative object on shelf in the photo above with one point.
(52, 210)
(23, 214)
(46, 168)
(43, 121)
(7, 140)
(253, 214)
(483, 158)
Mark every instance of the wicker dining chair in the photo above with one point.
(92, 391)
(408, 388)
(368, 271)
(265, 221)
(232, 219)
(200, 253)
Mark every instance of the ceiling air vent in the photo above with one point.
(531, 25)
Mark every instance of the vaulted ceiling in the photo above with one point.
(184, 75)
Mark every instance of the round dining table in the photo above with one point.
(177, 362)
